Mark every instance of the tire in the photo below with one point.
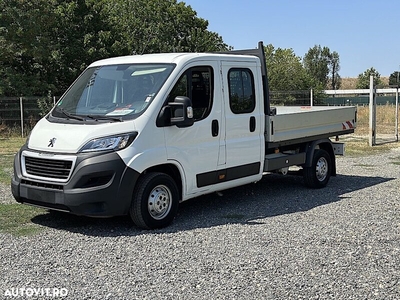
(155, 201)
(318, 175)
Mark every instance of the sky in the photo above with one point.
(365, 33)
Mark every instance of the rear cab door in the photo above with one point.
(244, 119)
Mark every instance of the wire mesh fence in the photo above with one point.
(20, 114)
(291, 98)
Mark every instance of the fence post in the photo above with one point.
(372, 112)
(311, 98)
(396, 130)
(22, 116)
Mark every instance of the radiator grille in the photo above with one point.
(50, 168)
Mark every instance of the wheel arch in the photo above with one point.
(324, 144)
(171, 170)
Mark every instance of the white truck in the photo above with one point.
(139, 134)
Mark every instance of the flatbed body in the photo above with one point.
(293, 123)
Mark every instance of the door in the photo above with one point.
(244, 119)
(198, 149)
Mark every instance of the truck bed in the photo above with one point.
(297, 123)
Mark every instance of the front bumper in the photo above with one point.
(100, 185)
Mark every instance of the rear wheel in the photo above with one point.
(318, 175)
(155, 201)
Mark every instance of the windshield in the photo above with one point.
(112, 92)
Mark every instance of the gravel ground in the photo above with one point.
(274, 239)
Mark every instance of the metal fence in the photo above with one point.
(22, 113)
(292, 98)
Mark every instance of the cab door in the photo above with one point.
(198, 149)
(244, 119)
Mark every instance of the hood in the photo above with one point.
(69, 138)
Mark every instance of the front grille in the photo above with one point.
(48, 168)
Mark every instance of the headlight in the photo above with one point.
(109, 143)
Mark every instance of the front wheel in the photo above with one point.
(317, 176)
(155, 201)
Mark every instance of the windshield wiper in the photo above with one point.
(71, 116)
(97, 118)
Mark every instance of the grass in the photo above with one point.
(6, 169)
(395, 160)
(385, 119)
(16, 218)
(357, 144)
(8, 147)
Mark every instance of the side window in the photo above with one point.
(241, 91)
(198, 84)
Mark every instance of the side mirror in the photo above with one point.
(181, 112)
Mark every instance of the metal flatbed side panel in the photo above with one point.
(298, 122)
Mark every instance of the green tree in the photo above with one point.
(81, 36)
(334, 68)
(46, 44)
(316, 62)
(285, 71)
(323, 66)
(160, 26)
(394, 78)
(363, 78)
(26, 47)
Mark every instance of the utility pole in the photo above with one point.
(396, 131)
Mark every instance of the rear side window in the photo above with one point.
(197, 84)
(241, 91)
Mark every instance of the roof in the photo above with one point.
(168, 58)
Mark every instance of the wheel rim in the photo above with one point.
(322, 168)
(159, 202)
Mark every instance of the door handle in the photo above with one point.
(252, 124)
(214, 128)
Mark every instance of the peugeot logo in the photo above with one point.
(52, 142)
